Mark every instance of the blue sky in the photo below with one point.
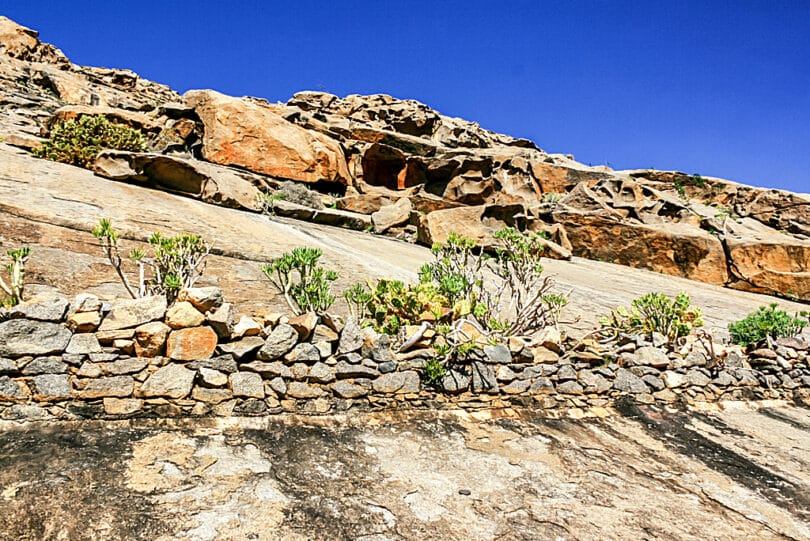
(718, 88)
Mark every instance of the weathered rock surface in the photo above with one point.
(20, 337)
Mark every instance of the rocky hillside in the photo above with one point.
(404, 170)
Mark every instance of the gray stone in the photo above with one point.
(27, 412)
(242, 348)
(83, 344)
(51, 387)
(594, 382)
(115, 386)
(351, 337)
(20, 337)
(344, 370)
(7, 366)
(89, 370)
(222, 320)
(697, 378)
(304, 353)
(203, 299)
(650, 356)
(213, 378)
(388, 367)
(50, 309)
(569, 387)
(483, 377)
(273, 369)
(654, 382)
(10, 389)
(172, 381)
(626, 381)
(45, 365)
(321, 373)
(540, 385)
(279, 342)
(505, 374)
(298, 389)
(278, 386)
(84, 302)
(566, 373)
(763, 353)
(300, 371)
(120, 367)
(516, 387)
(397, 382)
(539, 371)
(223, 363)
(453, 382)
(499, 354)
(724, 379)
(344, 389)
(673, 379)
(128, 313)
(247, 384)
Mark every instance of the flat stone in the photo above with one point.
(321, 373)
(203, 299)
(128, 313)
(45, 365)
(243, 348)
(697, 378)
(398, 382)
(650, 356)
(300, 371)
(89, 370)
(673, 379)
(270, 370)
(278, 386)
(543, 354)
(653, 382)
(84, 321)
(170, 381)
(47, 309)
(211, 396)
(763, 353)
(497, 354)
(626, 381)
(567, 373)
(351, 338)
(108, 337)
(246, 326)
(345, 370)
(593, 382)
(542, 385)
(304, 324)
(483, 377)
(223, 363)
(246, 384)
(122, 406)
(26, 412)
(183, 315)
(213, 378)
(724, 379)
(387, 367)
(297, 389)
(10, 389)
(131, 365)
(570, 387)
(222, 320)
(83, 344)
(278, 343)
(505, 374)
(150, 339)
(20, 337)
(303, 352)
(84, 303)
(191, 344)
(7, 366)
(516, 387)
(115, 386)
(344, 389)
(322, 333)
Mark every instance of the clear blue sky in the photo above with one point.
(720, 88)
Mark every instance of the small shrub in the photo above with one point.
(14, 289)
(655, 312)
(434, 371)
(266, 201)
(767, 322)
(295, 192)
(176, 262)
(552, 198)
(305, 285)
(79, 141)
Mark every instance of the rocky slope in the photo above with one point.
(403, 169)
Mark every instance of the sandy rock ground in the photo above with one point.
(732, 472)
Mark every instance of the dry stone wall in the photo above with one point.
(82, 357)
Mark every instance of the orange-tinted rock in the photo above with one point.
(190, 344)
(249, 134)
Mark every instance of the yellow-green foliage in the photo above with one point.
(655, 312)
(79, 141)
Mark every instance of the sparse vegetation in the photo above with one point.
(78, 141)
(766, 323)
(266, 201)
(306, 286)
(14, 289)
(656, 313)
(176, 262)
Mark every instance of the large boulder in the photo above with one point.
(251, 134)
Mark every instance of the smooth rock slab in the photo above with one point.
(191, 344)
(128, 313)
(20, 337)
(171, 381)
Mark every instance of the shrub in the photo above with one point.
(765, 323)
(305, 285)
(266, 202)
(656, 313)
(16, 273)
(176, 262)
(79, 141)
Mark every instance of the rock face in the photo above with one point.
(253, 135)
(20, 337)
